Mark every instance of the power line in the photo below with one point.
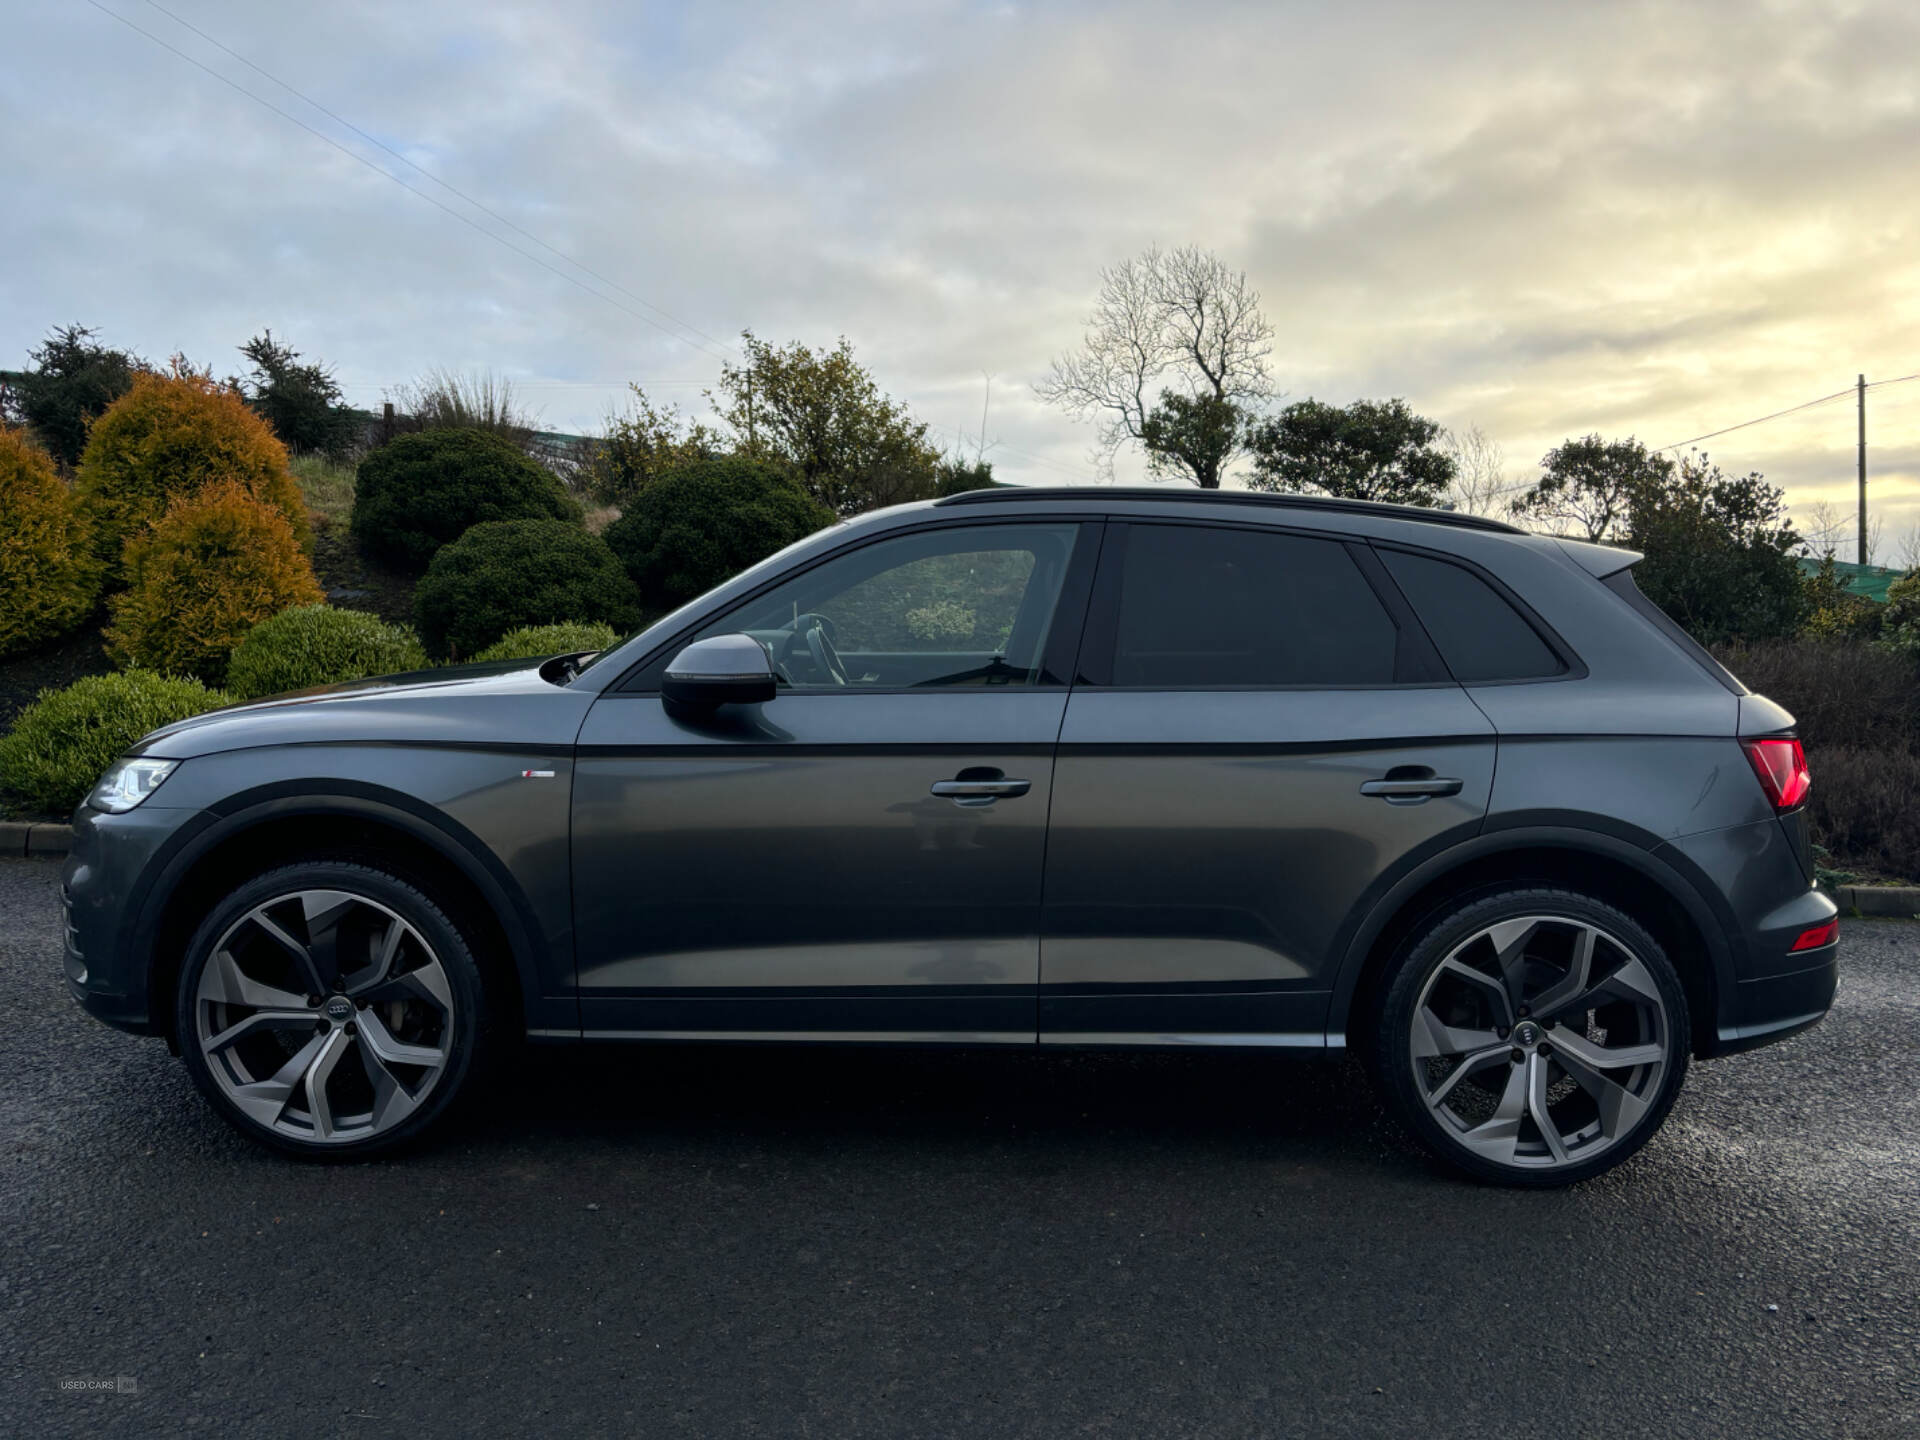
(1790, 410)
(388, 174)
(443, 184)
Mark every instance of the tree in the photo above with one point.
(73, 380)
(1480, 484)
(1369, 450)
(1193, 436)
(301, 402)
(955, 474)
(641, 446)
(1719, 553)
(1590, 485)
(1178, 315)
(819, 413)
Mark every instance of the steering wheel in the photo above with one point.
(818, 630)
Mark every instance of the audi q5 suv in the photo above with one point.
(1020, 767)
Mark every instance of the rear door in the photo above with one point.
(1260, 732)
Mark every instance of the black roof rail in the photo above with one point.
(1181, 495)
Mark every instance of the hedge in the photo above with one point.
(704, 523)
(538, 642)
(424, 491)
(311, 645)
(510, 573)
(63, 742)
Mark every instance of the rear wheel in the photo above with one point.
(1533, 1037)
(330, 1009)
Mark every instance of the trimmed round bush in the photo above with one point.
(510, 573)
(313, 645)
(63, 742)
(426, 490)
(48, 577)
(203, 575)
(537, 642)
(171, 436)
(706, 522)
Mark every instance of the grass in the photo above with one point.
(328, 489)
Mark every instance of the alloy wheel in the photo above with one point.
(1540, 1042)
(324, 1016)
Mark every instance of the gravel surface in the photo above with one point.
(793, 1242)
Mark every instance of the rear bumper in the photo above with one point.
(1762, 1011)
(1752, 880)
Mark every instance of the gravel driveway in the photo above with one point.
(795, 1242)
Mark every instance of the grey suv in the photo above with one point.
(1047, 768)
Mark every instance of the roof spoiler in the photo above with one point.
(1600, 561)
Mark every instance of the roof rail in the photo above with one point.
(1169, 494)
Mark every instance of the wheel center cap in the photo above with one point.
(1526, 1034)
(339, 1008)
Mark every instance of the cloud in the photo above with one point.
(1630, 218)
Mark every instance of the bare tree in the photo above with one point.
(1170, 327)
(1481, 485)
(1907, 554)
(1823, 528)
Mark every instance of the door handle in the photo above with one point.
(1411, 792)
(975, 791)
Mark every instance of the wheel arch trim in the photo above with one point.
(248, 809)
(1664, 869)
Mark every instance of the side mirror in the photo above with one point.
(721, 670)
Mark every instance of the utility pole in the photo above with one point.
(1861, 390)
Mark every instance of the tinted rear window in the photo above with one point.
(1213, 607)
(1479, 634)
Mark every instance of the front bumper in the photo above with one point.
(108, 877)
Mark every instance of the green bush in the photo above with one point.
(167, 438)
(509, 573)
(699, 525)
(537, 642)
(48, 577)
(424, 491)
(318, 645)
(65, 740)
(198, 579)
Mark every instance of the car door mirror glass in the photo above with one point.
(720, 670)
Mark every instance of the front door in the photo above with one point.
(860, 857)
(1264, 733)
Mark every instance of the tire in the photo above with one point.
(1510, 1006)
(330, 1010)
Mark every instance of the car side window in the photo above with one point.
(1202, 606)
(1479, 634)
(957, 606)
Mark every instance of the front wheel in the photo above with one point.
(330, 1010)
(1533, 1037)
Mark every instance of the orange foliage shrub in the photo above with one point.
(170, 436)
(214, 566)
(48, 578)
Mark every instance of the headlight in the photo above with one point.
(128, 782)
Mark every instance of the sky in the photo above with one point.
(1656, 220)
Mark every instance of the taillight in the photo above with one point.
(1782, 768)
(1818, 937)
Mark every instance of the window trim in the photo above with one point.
(1572, 666)
(1057, 651)
(1413, 647)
